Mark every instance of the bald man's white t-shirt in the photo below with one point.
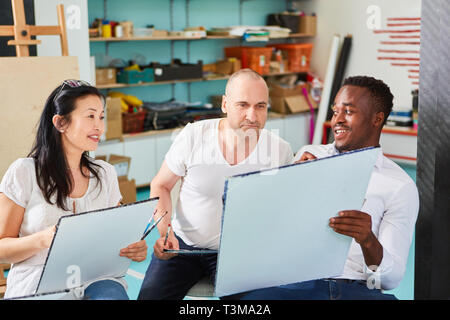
(196, 156)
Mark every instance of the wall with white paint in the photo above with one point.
(358, 17)
(76, 15)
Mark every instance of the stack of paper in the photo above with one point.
(254, 31)
(256, 35)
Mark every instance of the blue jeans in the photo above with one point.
(323, 289)
(105, 290)
(171, 279)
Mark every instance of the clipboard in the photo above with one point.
(297, 201)
(192, 252)
(86, 246)
(60, 295)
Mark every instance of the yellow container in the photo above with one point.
(106, 31)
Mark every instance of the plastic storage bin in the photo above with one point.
(133, 122)
(299, 55)
(255, 58)
(134, 76)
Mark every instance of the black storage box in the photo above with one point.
(177, 70)
(164, 115)
(289, 21)
(202, 113)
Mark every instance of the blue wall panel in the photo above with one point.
(207, 13)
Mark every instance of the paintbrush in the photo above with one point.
(153, 226)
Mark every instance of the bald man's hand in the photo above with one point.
(306, 156)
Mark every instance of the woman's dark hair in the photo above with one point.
(52, 174)
(381, 94)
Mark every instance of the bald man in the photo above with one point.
(203, 155)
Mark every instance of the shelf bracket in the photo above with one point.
(241, 4)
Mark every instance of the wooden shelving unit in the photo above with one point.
(150, 146)
(112, 39)
(270, 115)
(217, 36)
(155, 83)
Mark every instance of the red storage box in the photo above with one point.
(255, 58)
(299, 55)
(133, 122)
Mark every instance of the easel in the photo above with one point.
(22, 32)
(22, 39)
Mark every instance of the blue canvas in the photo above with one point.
(297, 201)
(86, 246)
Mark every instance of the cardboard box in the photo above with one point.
(3, 267)
(105, 76)
(308, 25)
(127, 187)
(210, 67)
(289, 100)
(2, 278)
(122, 166)
(113, 118)
(278, 66)
(127, 29)
(160, 33)
(101, 158)
(228, 66)
(128, 190)
(2, 291)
